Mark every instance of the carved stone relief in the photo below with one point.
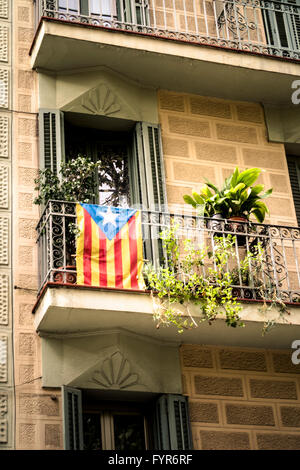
(3, 187)
(4, 240)
(4, 136)
(115, 373)
(3, 88)
(4, 299)
(36, 404)
(3, 421)
(3, 43)
(3, 8)
(100, 100)
(3, 358)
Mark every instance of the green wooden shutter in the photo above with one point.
(295, 24)
(172, 423)
(294, 172)
(84, 7)
(72, 413)
(283, 28)
(151, 166)
(148, 183)
(51, 137)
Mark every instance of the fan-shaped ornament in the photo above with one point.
(100, 100)
(115, 373)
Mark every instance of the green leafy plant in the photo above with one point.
(251, 273)
(76, 182)
(182, 282)
(237, 197)
(185, 282)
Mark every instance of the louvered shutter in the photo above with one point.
(51, 137)
(172, 423)
(148, 183)
(294, 173)
(72, 413)
(283, 28)
(151, 166)
(295, 24)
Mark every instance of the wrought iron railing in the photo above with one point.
(280, 249)
(265, 27)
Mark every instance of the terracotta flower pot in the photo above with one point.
(236, 227)
(61, 276)
(213, 224)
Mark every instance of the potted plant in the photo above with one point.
(75, 182)
(237, 201)
(237, 198)
(209, 204)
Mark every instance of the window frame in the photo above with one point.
(107, 411)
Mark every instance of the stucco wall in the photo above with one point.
(38, 411)
(242, 398)
(6, 377)
(208, 137)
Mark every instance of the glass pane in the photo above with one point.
(103, 7)
(113, 176)
(95, 7)
(71, 5)
(129, 432)
(92, 432)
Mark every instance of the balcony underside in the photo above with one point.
(67, 311)
(156, 62)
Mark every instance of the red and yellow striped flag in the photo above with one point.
(109, 247)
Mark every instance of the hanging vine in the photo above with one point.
(184, 282)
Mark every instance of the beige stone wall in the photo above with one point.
(208, 137)
(38, 411)
(242, 398)
(6, 362)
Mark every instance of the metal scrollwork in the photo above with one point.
(234, 21)
(280, 251)
(235, 24)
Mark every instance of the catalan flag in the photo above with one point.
(109, 247)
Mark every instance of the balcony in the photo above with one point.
(64, 307)
(171, 43)
(246, 25)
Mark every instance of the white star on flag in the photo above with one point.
(109, 217)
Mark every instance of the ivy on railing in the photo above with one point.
(184, 282)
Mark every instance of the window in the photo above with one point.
(88, 7)
(94, 424)
(133, 177)
(113, 150)
(114, 428)
(294, 173)
(282, 24)
(137, 161)
(126, 11)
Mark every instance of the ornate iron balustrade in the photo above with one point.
(265, 27)
(280, 260)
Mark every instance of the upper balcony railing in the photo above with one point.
(278, 273)
(264, 27)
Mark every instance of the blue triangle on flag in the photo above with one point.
(109, 219)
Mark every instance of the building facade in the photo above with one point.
(179, 91)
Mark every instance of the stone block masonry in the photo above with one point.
(241, 398)
(38, 417)
(6, 363)
(206, 137)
